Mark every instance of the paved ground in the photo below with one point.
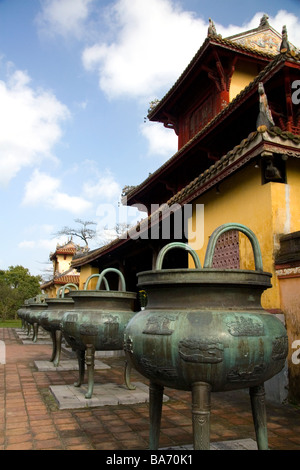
(31, 419)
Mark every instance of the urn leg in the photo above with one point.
(90, 363)
(201, 415)
(28, 328)
(35, 332)
(58, 338)
(155, 408)
(80, 357)
(52, 334)
(127, 376)
(257, 397)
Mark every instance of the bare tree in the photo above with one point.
(83, 231)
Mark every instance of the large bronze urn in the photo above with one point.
(34, 309)
(205, 330)
(97, 323)
(22, 315)
(50, 320)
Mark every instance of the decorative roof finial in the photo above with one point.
(264, 21)
(211, 28)
(285, 46)
(265, 116)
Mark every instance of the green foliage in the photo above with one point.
(10, 324)
(16, 285)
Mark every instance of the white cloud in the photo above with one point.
(292, 23)
(43, 189)
(147, 51)
(154, 42)
(27, 244)
(162, 142)
(30, 123)
(277, 22)
(38, 232)
(47, 228)
(48, 244)
(63, 17)
(102, 187)
(147, 54)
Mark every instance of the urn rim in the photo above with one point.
(97, 294)
(205, 276)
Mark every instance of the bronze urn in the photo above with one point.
(204, 330)
(97, 323)
(50, 320)
(22, 315)
(34, 309)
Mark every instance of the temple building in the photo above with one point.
(62, 272)
(236, 112)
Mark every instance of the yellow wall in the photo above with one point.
(85, 272)
(290, 298)
(244, 73)
(265, 209)
(293, 178)
(50, 291)
(62, 265)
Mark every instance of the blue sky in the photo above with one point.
(76, 79)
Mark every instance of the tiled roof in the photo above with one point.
(62, 280)
(207, 179)
(68, 248)
(65, 250)
(69, 278)
(94, 254)
(263, 135)
(208, 41)
(278, 61)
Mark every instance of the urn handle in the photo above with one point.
(61, 290)
(114, 270)
(170, 246)
(101, 277)
(98, 285)
(40, 299)
(225, 228)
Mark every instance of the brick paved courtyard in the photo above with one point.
(30, 417)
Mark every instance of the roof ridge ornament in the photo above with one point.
(265, 116)
(285, 45)
(264, 21)
(211, 28)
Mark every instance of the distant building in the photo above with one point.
(62, 272)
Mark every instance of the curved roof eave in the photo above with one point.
(262, 76)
